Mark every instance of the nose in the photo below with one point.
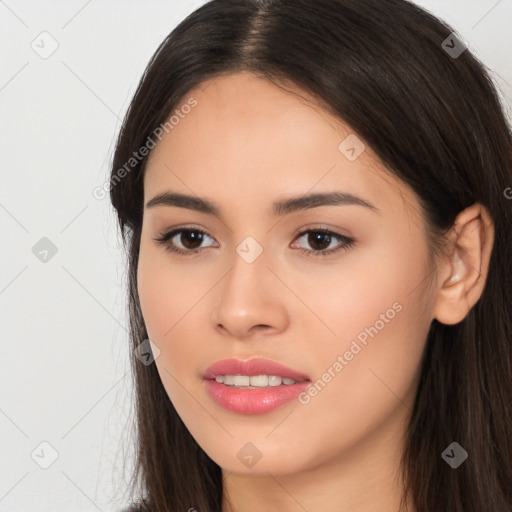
(251, 301)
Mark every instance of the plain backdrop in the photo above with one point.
(68, 71)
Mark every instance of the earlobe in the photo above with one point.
(462, 275)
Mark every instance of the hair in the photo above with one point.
(435, 121)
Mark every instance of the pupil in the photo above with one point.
(316, 238)
(194, 236)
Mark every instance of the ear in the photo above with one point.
(463, 272)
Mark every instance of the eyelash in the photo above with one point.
(165, 238)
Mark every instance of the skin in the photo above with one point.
(246, 144)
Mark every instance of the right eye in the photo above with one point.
(190, 240)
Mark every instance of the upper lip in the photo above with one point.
(255, 366)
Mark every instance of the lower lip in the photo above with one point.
(254, 401)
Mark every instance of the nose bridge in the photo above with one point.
(247, 296)
(247, 279)
(250, 250)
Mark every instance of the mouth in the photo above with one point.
(255, 367)
(255, 381)
(255, 386)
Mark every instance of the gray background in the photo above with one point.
(64, 374)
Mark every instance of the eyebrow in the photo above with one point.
(279, 208)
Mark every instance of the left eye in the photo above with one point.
(190, 241)
(321, 239)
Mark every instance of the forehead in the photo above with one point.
(247, 135)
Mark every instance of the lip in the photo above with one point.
(251, 367)
(253, 401)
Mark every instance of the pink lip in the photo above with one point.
(253, 401)
(256, 366)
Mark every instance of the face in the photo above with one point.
(337, 292)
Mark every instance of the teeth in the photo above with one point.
(274, 380)
(240, 380)
(257, 381)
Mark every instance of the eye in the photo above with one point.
(320, 239)
(190, 240)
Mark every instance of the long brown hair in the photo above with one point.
(431, 112)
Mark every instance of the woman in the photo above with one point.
(314, 201)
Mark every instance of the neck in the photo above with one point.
(365, 478)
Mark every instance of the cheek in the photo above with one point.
(165, 293)
(173, 303)
(166, 302)
(375, 321)
(364, 291)
(364, 382)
